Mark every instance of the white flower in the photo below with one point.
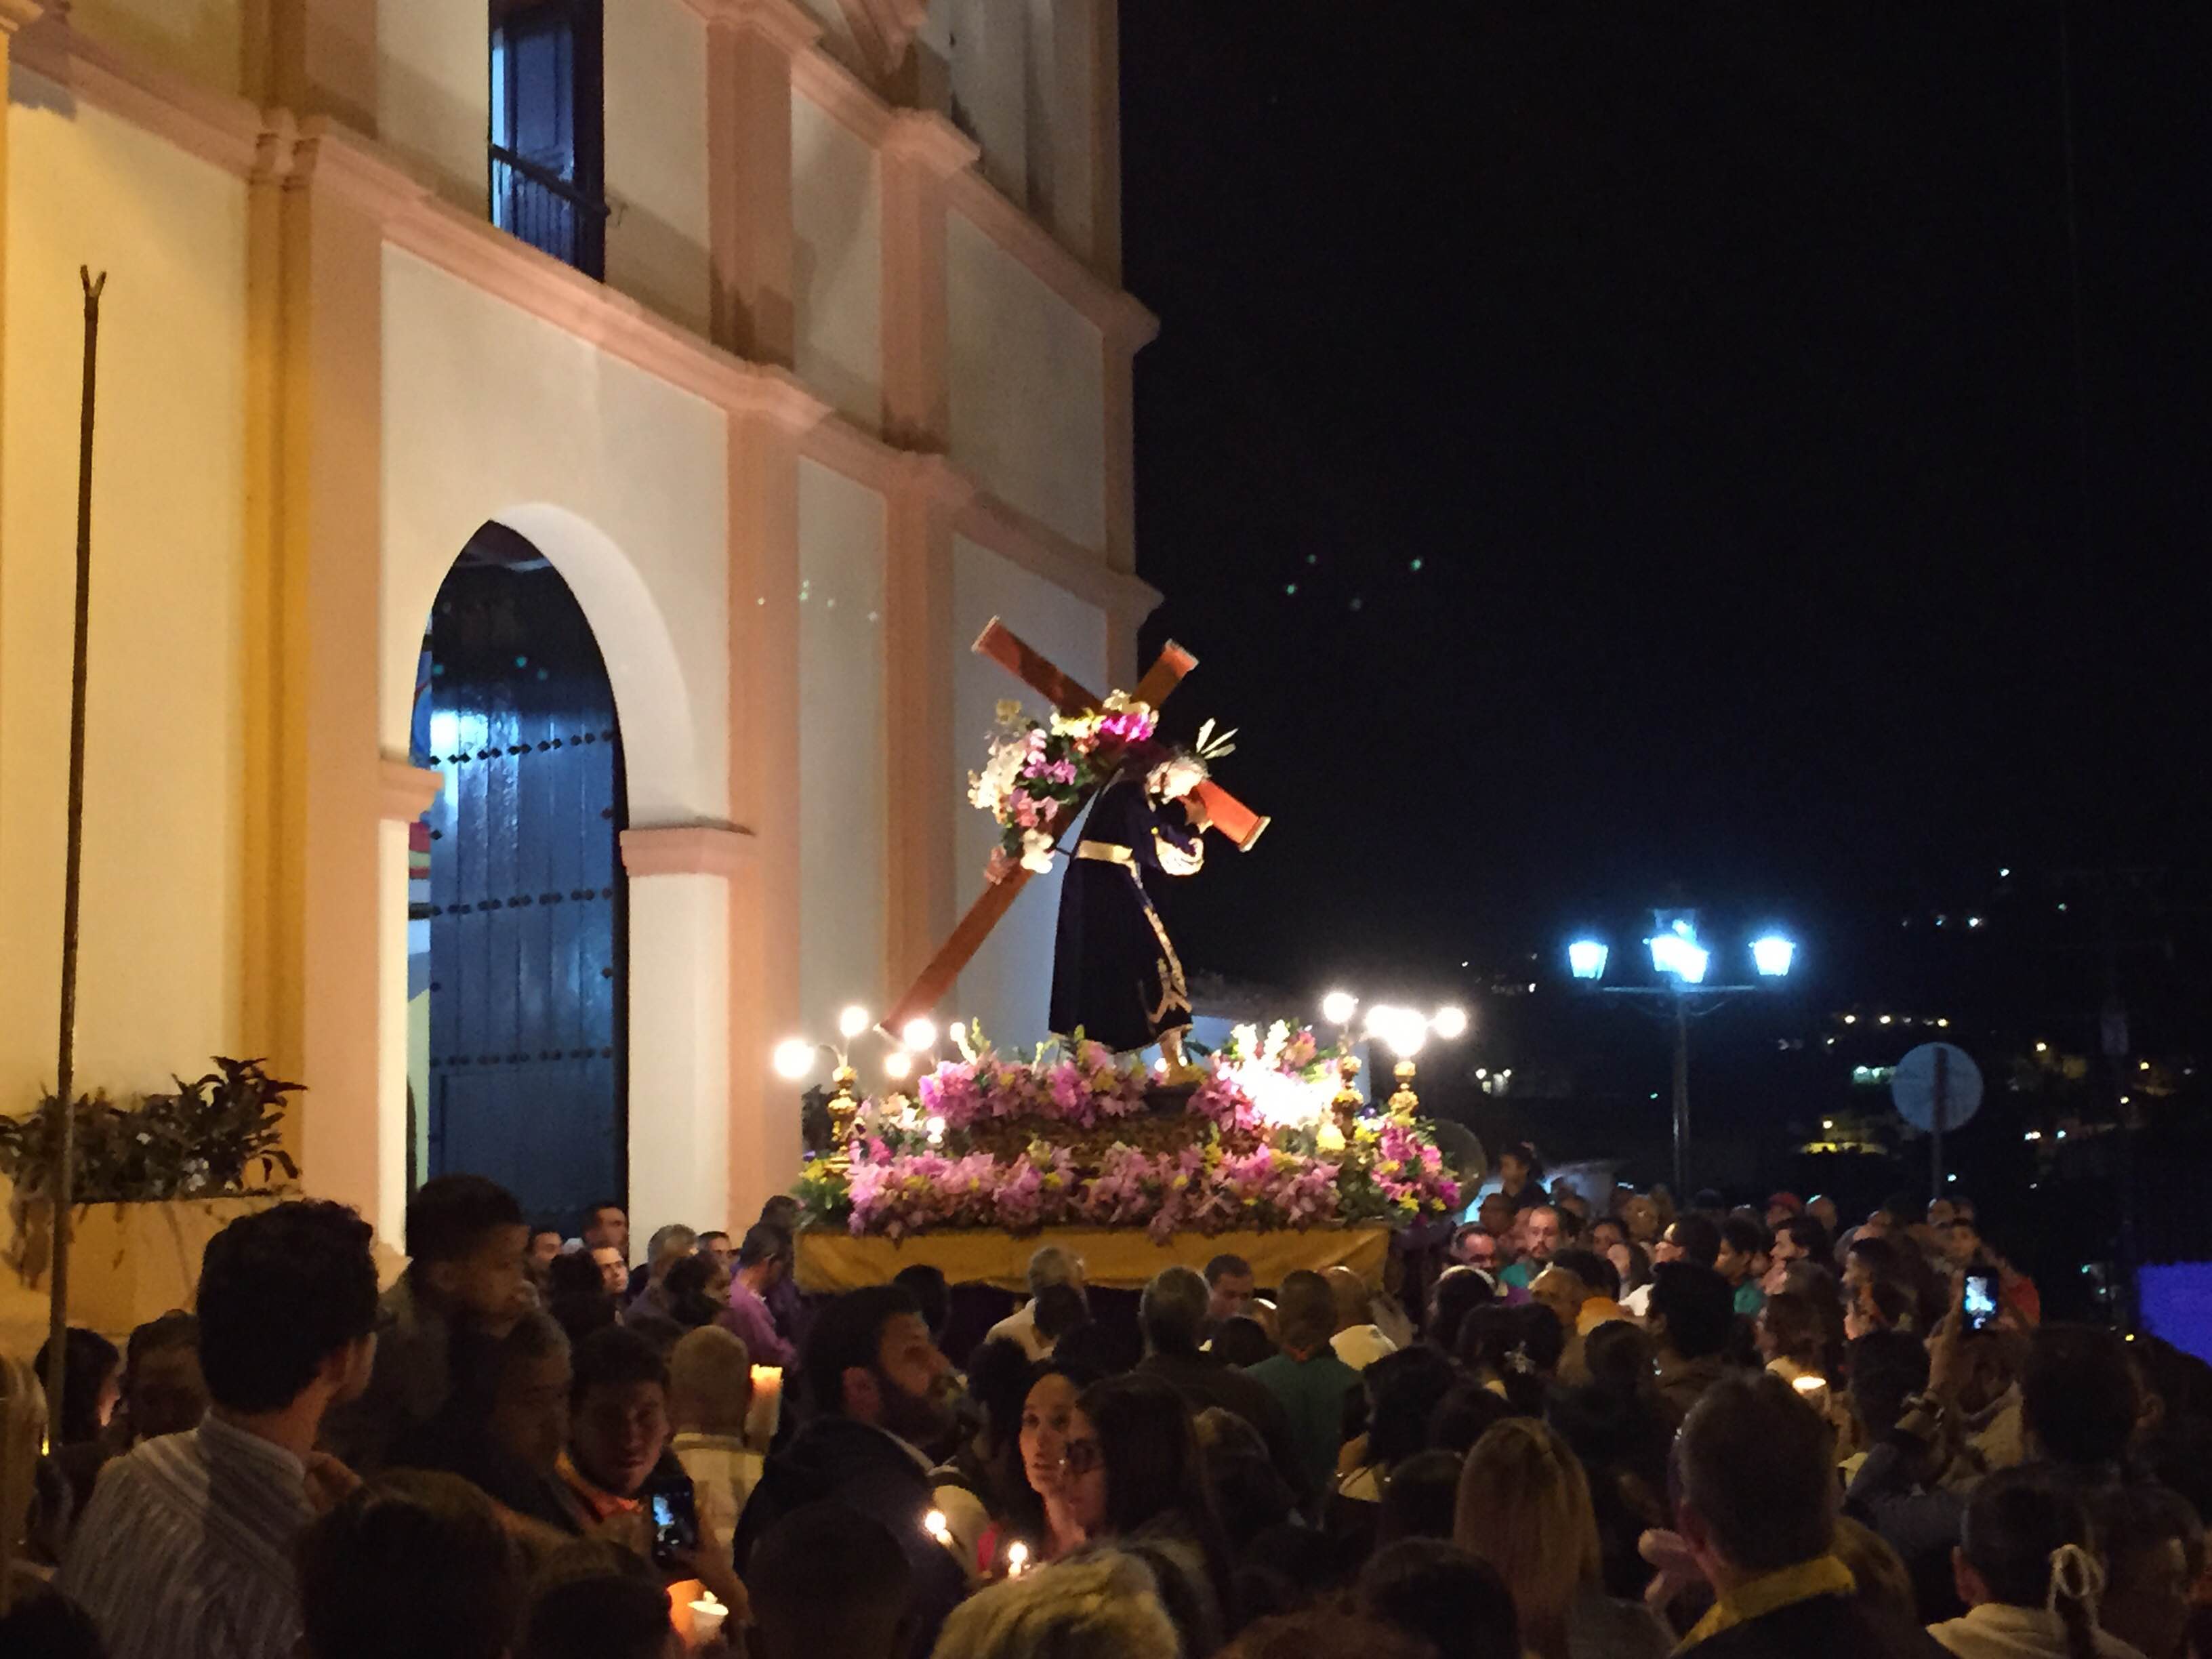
(1246, 1037)
(989, 787)
(1036, 852)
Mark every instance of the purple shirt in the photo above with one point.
(747, 1316)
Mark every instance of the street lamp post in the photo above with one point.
(1681, 961)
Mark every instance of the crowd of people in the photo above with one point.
(1606, 1429)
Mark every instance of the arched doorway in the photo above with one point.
(518, 929)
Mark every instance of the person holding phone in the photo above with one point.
(627, 1486)
(2015, 1292)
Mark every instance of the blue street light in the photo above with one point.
(1680, 962)
(1677, 951)
(1586, 958)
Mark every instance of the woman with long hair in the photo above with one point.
(1524, 1507)
(1133, 1479)
(1030, 1471)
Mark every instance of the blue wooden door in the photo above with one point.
(527, 981)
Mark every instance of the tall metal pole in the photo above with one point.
(62, 1185)
(1681, 1103)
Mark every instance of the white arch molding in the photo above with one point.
(679, 931)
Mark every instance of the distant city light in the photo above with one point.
(1943, 1024)
(2032, 1134)
(1973, 921)
(1587, 958)
(1885, 1019)
(2004, 870)
(1851, 1019)
(2043, 1047)
(2142, 1065)
(1827, 1123)
(1773, 955)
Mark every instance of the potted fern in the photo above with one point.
(153, 1182)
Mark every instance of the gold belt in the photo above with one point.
(1105, 852)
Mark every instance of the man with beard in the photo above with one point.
(881, 1390)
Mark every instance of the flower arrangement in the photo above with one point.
(1015, 1145)
(1037, 767)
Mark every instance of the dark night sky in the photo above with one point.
(1714, 361)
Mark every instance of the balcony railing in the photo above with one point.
(536, 205)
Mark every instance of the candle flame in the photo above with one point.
(1018, 1557)
(937, 1527)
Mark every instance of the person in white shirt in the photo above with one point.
(1050, 1264)
(710, 1393)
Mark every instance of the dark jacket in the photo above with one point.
(867, 1469)
(407, 1387)
(1821, 1627)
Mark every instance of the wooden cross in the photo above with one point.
(1225, 813)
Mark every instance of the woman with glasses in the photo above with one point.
(1132, 1480)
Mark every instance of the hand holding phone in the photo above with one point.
(1979, 1302)
(675, 1527)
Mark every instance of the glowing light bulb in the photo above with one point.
(852, 1022)
(919, 1034)
(1449, 1024)
(795, 1059)
(897, 1064)
(1586, 958)
(1773, 956)
(1809, 1383)
(1339, 1007)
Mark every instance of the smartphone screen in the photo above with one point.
(675, 1526)
(1981, 1300)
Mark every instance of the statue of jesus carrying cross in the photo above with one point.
(1116, 974)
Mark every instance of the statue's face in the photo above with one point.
(1178, 778)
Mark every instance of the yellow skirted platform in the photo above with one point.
(1118, 1258)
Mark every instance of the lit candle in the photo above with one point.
(706, 1616)
(1017, 1559)
(767, 1409)
(937, 1527)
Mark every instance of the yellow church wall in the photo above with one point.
(1025, 372)
(656, 156)
(203, 39)
(837, 262)
(844, 810)
(434, 92)
(160, 981)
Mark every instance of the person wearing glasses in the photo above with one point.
(1132, 1480)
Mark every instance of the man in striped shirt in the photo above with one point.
(186, 1549)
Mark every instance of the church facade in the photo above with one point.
(784, 342)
